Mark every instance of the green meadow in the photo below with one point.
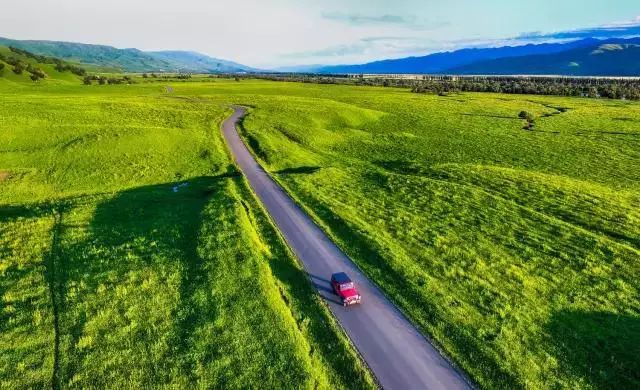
(133, 255)
(517, 251)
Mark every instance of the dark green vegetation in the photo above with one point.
(517, 250)
(626, 89)
(129, 60)
(609, 88)
(132, 254)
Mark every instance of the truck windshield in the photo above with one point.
(346, 286)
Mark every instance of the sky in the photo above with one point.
(274, 33)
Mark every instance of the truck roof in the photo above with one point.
(341, 277)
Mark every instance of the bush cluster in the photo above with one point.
(18, 67)
(102, 80)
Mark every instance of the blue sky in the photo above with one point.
(271, 33)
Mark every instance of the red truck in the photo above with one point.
(345, 289)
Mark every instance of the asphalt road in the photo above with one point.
(398, 355)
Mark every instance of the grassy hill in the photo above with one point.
(127, 60)
(25, 67)
(199, 63)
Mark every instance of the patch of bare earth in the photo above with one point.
(4, 175)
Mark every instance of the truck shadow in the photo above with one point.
(324, 288)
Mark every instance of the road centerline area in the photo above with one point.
(398, 354)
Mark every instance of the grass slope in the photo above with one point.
(52, 75)
(110, 278)
(517, 251)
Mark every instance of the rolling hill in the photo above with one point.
(199, 62)
(20, 66)
(128, 60)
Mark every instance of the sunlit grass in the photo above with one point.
(111, 278)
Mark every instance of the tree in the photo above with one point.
(87, 80)
(527, 116)
(144, 75)
(35, 71)
(18, 68)
(1, 67)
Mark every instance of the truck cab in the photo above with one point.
(344, 287)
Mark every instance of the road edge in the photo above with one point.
(284, 241)
(441, 351)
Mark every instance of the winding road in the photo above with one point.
(398, 354)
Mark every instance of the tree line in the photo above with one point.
(610, 88)
(102, 80)
(60, 66)
(19, 67)
(628, 89)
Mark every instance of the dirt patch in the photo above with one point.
(4, 175)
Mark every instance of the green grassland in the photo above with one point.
(517, 251)
(110, 278)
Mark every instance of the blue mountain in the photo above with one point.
(445, 61)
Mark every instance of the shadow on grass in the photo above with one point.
(305, 170)
(152, 228)
(490, 116)
(10, 213)
(601, 348)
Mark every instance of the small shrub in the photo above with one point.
(18, 68)
(526, 115)
(36, 72)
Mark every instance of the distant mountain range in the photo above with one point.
(586, 57)
(593, 57)
(129, 60)
(613, 57)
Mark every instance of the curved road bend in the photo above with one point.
(399, 356)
